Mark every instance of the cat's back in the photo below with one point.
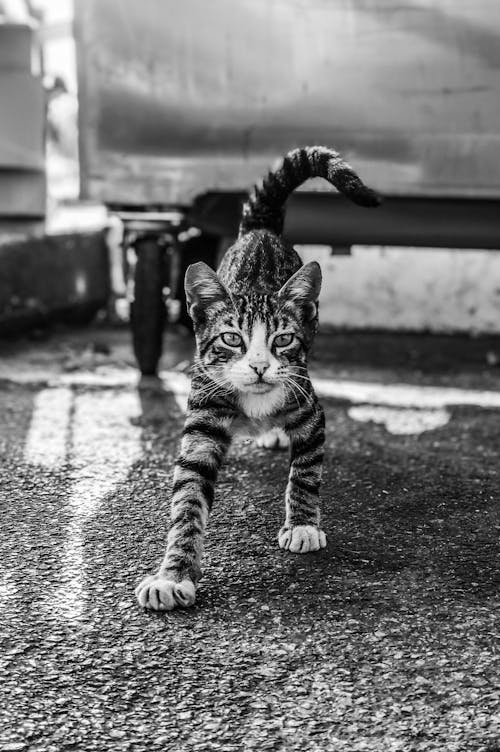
(260, 261)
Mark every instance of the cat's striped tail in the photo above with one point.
(265, 207)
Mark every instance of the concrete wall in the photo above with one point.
(410, 289)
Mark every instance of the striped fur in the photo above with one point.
(254, 320)
(264, 208)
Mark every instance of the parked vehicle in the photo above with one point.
(183, 105)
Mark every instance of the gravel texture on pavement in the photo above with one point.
(385, 641)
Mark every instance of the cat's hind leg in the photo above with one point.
(274, 438)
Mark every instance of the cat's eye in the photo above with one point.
(283, 340)
(232, 339)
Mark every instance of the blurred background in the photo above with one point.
(129, 133)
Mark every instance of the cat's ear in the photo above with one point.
(203, 287)
(304, 286)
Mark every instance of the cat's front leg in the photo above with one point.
(205, 441)
(301, 532)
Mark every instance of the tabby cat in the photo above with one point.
(254, 322)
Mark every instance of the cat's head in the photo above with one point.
(254, 343)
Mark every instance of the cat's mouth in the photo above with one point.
(259, 387)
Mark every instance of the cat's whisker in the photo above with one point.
(303, 390)
(306, 385)
(210, 389)
(215, 375)
(296, 388)
(292, 390)
(304, 378)
(214, 385)
(308, 397)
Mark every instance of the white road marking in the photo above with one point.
(45, 446)
(46, 442)
(105, 444)
(404, 395)
(401, 420)
(109, 377)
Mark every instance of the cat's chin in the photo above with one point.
(262, 403)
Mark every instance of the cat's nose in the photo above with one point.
(259, 368)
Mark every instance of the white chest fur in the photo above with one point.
(262, 405)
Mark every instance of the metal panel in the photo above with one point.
(178, 98)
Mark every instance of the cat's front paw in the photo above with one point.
(163, 594)
(301, 539)
(275, 438)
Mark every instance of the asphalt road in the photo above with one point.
(387, 640)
